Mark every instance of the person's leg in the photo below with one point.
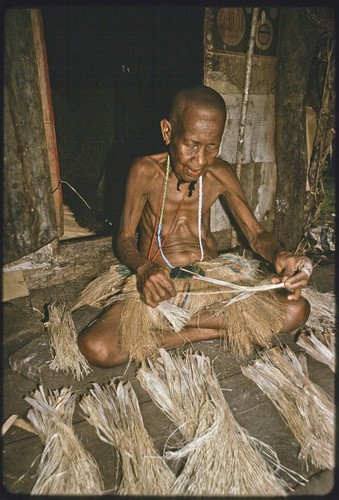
(297, 312)
(99, 343)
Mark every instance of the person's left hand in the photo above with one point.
(295, 270)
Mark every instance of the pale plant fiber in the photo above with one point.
(305, 407)
(102, 290)
(322, 316)
(319, 345)
(114, 412)
(63, 342)
(250, 312)
(65, 467)
(221, 458)
(233, 290)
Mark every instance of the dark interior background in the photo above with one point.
(113, 70)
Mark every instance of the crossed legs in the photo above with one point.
(99, 343)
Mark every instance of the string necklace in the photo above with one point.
(159, 228)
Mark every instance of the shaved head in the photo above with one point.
(200, 96)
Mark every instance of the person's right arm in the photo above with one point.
(153, 281)
(135, 199)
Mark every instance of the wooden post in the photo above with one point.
(29, 215)
(298, 39)
(48, 116)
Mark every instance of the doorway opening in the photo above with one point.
(113, 70)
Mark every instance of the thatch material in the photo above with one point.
(63, 341)
(102, 290)
(304, 406)
(65, 468)
(114, 412)
(325, 133)
(319, 345)
(229, 287)
(221, 458)
(322, 315)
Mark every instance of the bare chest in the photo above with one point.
(180, 210)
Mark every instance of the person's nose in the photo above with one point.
(200, 158)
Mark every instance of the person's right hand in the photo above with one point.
(154, 283)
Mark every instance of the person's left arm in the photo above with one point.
(294, 269)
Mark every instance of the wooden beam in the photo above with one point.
(48, 116)
(29, 215)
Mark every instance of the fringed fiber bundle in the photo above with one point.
(221, 458)
(319, 345)
(249, 314)
(63, 341)
(254, 321)
(322, 316)
(102, 290)
(304, 406)
(65, 468)
(114, 412)
(142, 327)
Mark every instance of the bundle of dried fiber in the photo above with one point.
(102, 290)
(304, 406)
(221, 458)
(65, 468)
(254, 321)
(63, 341)
(142, 327)
(322, 316)
(319, 345)
(251, 314)
(114, 412)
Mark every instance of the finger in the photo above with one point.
(168, 285)
(156, 292)
(145, 297)
(295, 295)
(306, 267)
(276, 280)
(299, 280)
(287, 272)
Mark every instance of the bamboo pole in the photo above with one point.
(243, 115)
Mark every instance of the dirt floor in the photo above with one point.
(25, 350)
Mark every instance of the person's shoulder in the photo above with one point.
(145, 167)
(222, 168)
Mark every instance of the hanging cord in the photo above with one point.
(82, 199)
(162, 214)
(200, 219)
(158, 226)
(170, 229)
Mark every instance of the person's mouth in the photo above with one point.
(193, 172)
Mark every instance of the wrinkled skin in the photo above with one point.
(193, 140)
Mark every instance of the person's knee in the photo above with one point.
(94, 350)
(298, 312)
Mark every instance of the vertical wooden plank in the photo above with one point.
(29, 216)
(48, 116)
(295, 53)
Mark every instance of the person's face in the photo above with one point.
(194, 141)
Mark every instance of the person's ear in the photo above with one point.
(166, 131)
